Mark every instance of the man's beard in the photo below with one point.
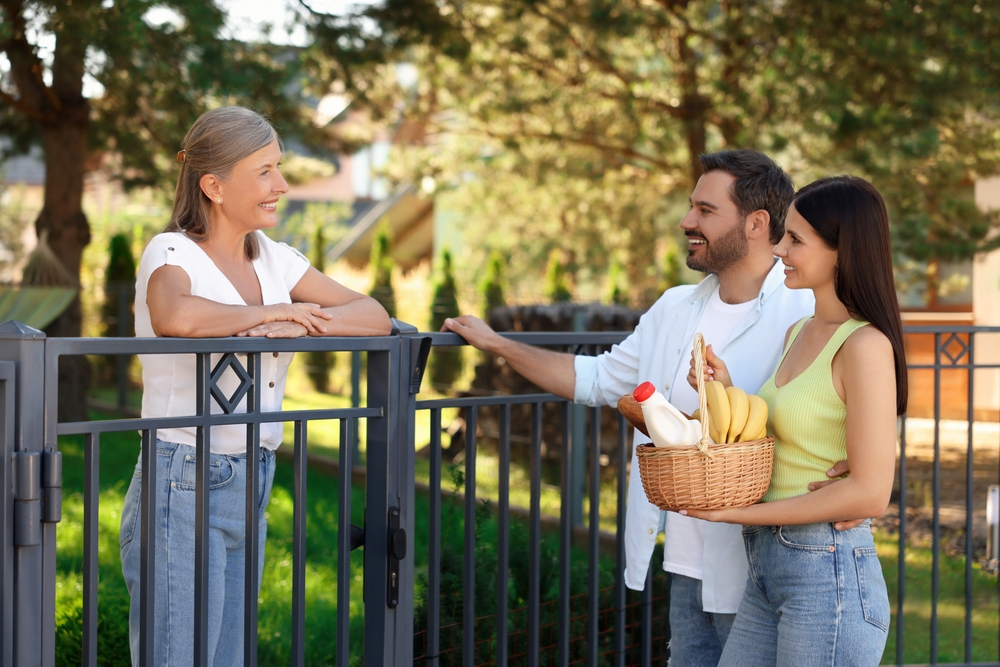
(722, 253)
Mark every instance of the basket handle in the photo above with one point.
(700, 354)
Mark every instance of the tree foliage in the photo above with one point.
(153, 77)
(577, 123)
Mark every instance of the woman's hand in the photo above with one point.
(276, 330)
(309, 315)
(731, 515)
(715, 369)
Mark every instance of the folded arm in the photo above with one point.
(174, 311)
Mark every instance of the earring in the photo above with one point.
(219, 200)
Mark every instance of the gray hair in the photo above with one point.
(215, 143)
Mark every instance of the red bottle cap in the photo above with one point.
(644, 391)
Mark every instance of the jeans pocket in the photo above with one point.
(808, 537)
(871, 584)
(220, 472)
(130, 510)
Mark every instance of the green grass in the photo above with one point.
(951, 606)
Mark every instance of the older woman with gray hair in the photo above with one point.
(212, 273)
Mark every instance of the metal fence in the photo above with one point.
(562, 604)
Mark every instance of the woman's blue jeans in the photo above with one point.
(815, 596)
(173, 622)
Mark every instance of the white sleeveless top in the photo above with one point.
(168, 380)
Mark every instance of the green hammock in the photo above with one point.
(34, 306)
(46, 289)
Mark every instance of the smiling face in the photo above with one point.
(250, 194)
(714, 227)
(809, 261)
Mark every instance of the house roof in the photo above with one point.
(410, 218)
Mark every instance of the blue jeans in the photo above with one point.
(173, 637)
(815, 597)
(696, 636)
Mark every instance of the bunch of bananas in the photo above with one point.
(734, 415)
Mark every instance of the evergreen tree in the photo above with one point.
(615, 294)
(445, 362)
(118, 311)
(382, 265)
(671, 267)
(319, 363)
(555, 279)
(491, 287)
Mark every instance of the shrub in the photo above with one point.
(318, 363)
(382, 265)
(556, 289)
(118, 310)
(445, 362)
(491, 288)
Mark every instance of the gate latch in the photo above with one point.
(397, 552)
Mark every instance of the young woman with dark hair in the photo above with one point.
(815, 595)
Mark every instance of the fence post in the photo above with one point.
(32, 541)
(388, 581)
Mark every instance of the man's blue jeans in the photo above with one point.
(815, 598)
(173, 637)
(696, 637)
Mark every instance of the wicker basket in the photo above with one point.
(709, 476)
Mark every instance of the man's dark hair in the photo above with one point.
(760, 184)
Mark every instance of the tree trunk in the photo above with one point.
(65, 142)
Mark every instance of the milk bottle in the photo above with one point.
(667, 426)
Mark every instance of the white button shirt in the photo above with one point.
(168, 380)
(653, 353)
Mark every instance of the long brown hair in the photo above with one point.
(849, 215)
(215, 143)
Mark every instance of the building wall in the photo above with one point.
(986, 308)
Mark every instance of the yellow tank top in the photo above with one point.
(807, 419)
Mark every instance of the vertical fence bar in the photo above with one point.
(434, 546)
(622, 452)
(252, 517)
(593, 535)
(901, 571)
(203, 448)
(503, 535)
(147, 546)
(535, 538)
(936, 546)
(969, 480)
(299, 471)
(344, 544)
(469, 548)
(565, 534)
(91, 527)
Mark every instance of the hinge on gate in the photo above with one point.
(37, 494)
(51, 486)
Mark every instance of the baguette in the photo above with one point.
(632, 411)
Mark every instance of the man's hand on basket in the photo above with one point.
(715, 369)
(836, 473)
